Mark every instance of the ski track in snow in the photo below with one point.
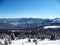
(39, 42)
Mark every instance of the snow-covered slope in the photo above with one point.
(39, 42)
(46, 27)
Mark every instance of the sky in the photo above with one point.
(30, 8)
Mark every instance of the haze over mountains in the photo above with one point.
(27, 22)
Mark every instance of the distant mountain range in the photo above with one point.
(30, 23)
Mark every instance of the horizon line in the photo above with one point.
(25, 17)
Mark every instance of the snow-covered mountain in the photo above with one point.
(28, 22)
(56, 20)
(21, 22)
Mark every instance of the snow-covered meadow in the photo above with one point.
(39, 42)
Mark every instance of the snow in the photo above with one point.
(2, 41)
(46, 27)
(39, 42)
(14, 23)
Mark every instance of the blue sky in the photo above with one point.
(29, 8)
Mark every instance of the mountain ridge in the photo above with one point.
(27, 22)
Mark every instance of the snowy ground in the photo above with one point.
(40, 42)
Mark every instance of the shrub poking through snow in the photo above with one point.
(53, 37)
(2, 36)
(12, 36)
(34, 40)
(42, 37)
(29, 40)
